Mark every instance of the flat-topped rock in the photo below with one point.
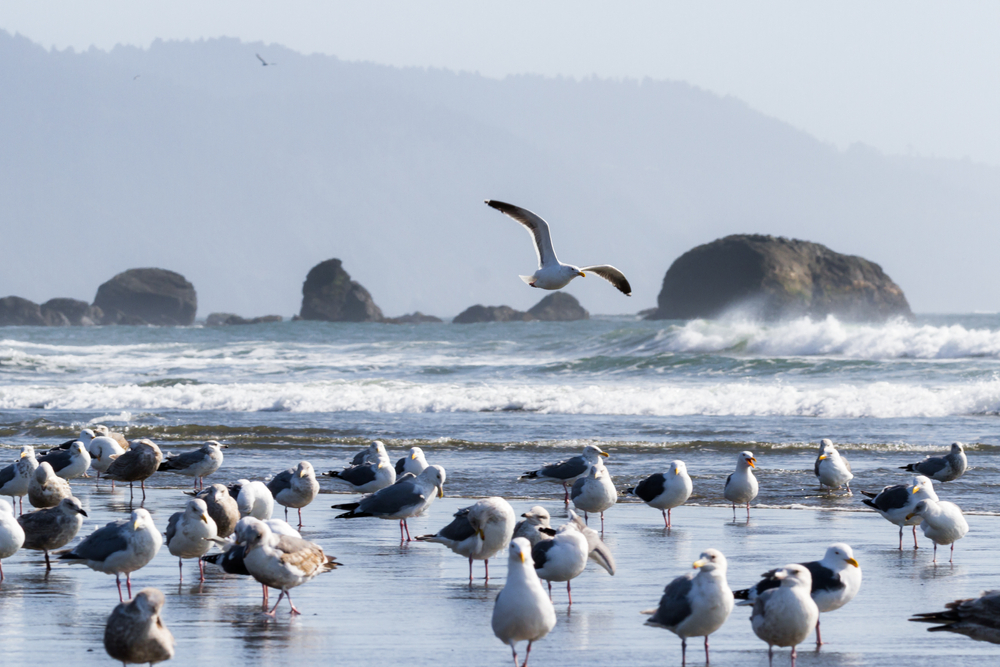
(774, 278)
(329, 295)
(230, 319)
(73, 311)
(559, 307)
(147, 296)
(16, 311)
(479, 313)
(413, 318)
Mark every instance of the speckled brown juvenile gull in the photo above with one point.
(135, 632)
(52, 528)
(136, 465)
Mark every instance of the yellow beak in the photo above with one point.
(915, 489)
(440, 492)
(851, 561)
(522, 556)
(677, 471)
(204, 517)
(378, 467)
(583, 275)
(135, 526)
(413, 457)
(302, 474)
(751, 462)
(482, 536)
(699, 563)
(605, 454)
(822, 457)
(23, 454)
(910, 516)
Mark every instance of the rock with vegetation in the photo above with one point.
(71, 312)
(559, 307)
(413, 318)
(775, 278)
(15, 311)
(479, 313)
(330, 295)
(147, 296)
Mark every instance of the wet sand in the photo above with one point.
(412, 604)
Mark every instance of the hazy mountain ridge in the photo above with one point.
(243, 177)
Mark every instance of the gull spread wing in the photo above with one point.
(539, 230)
(260, 59)
(612, 275)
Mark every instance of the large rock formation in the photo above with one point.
(71, 311)
(330, 295)
(478, 313)
(775, 278)
(15, 311)
(147, 296)
(559, 307)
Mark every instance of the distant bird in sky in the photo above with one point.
(262, 61)
(136, 77)
(553, 274)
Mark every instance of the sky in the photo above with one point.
(905, 77)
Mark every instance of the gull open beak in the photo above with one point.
(822, 457)
(521, 554)
(699, 563)
(605, 454)
(440, 492)
(851, 561)
(752, 462)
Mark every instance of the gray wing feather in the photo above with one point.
(931, 466)
(102, 542)
(573, 467)
(281, 481)
(760, 603)
(400, 466)
(824, 579)
(536, 226)
(612, 275)
(539, 552)
(58, 459)
(7, 474)
(459, 529)
(674, 605)
(359, 458)
(577, 488)
(358, 475)
(183, 461)
(172, 525)
(892, 498)
(391, 499)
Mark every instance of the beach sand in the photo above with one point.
(412, 605)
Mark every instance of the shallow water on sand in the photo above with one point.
(412, 604)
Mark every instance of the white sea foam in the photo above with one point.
(898, 339)
(773, 398)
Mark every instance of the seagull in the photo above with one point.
(536, 526)
(978, 618)
(478, 532)
(414, 462)
(368, 454)
(665, 491)
(234, 551)
(595, 493)
(562, 558)
(11, 534)
(103, 451)
(599, 551)
(136, 465)
(942, 523)
(784, 616)
(553, 274)
(54, 528)
(406, 498)
(252, 499)
(741, 486)
(282, 562)
(119, 547)
(101, 430)
(835, 581)
(942, 468)
(225, 512)
(831, 468)
(190, 534)
(522, 611)
(86, 435)
(377, 473)
(896, 503)
(68, 463)
(295, 487)
(264, 62)
(16, 478)
(46, 489)
(199, 464)
(135, 633)
(695, 604)
(570, 470)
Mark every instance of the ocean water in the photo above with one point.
(491, 401)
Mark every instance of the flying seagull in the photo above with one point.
(553, 274)
(262, 61)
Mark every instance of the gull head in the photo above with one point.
(520, 551)
(711, 560)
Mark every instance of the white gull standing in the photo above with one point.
(835, 581)
(190, 534)
(553, 274)
(695, 604)
(665, 491)
(406, 498)
(478, 532)
(945, 468)
(198, 464)
(16, 478)
(522, 611)
(368, 477)
(832, 469)
(68, 463)
(943, 523)
(103, 451)
(562, 558)
(252, 499)
(741, 486)
(595, 493)
(295, 487)
(784, 616)
(896, 503)
(414, 462)
(11, 534)
(568, 471)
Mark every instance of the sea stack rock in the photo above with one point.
(147, 296)
(559, 307)
(329, 295)
(775, 278)
(413, 318)
(72, 312)
(230, 319)
(15, 311)
(478, 313)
